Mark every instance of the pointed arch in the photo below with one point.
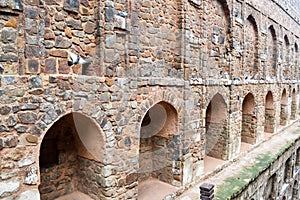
(269, 113)
(216, 137)
(251, 47)
(159, 145)
(249, 120)
(294, 105)
(288, 170)
(272, 52)
(296, 61)
(218, 36)
(73, 140)
(296, 189)
(270, 189)
(286, 58)
(283, 108)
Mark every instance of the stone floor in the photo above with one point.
(274, 143)
(211, 163)
(75, 196)
(153, 189)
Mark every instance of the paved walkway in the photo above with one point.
(273, 144)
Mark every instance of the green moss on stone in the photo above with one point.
(232, 186)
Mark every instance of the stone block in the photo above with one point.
(8, 35)
(120, 22)
(89, 27)
(27, 117)
(32, 51)
(9, 57)
(50, 66)
(63, 67)
(4, 110)
(71, 5)
(12, 22)
(31, 12)
(32, 139)
(32, 2)
(31, 176)
(11, 121)
(29, 195)
(9, 48)
(109, 14)
(9, 186)
(3, 128)
(21, 128)
(26, 161)
(34, 130)
(131, 178)
(62, 42)
(35, 82)
(74, 24)
(9, 174)
(32, 66)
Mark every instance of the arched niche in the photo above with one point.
(272, 52)
(218, 34)
(283, 108)
(251, 47)
(270, 189)
(249, 120)
(71, 148)
(159, 148)
(294, 105)
(216, 136)
(286, 58)
(269, 113)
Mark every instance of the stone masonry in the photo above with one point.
(167, 84)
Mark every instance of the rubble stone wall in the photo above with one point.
(139, 53)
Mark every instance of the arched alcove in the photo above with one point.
(296, 62)
(286, 58)
(272, 52)
(217, 26)
(288, 170)
(251, 47)
(270, 190)
(294, 105)
(249, 120)
(296, 194)
(283, 108)
(216, 137)
(70, 149)
(269, 114)
(158, 29)
(298, 159)
(159, 149)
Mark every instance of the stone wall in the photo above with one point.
(249, 128)
(191, 56)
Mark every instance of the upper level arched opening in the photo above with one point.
(271, 52)
(251, 47)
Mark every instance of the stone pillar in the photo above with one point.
(207, 191)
